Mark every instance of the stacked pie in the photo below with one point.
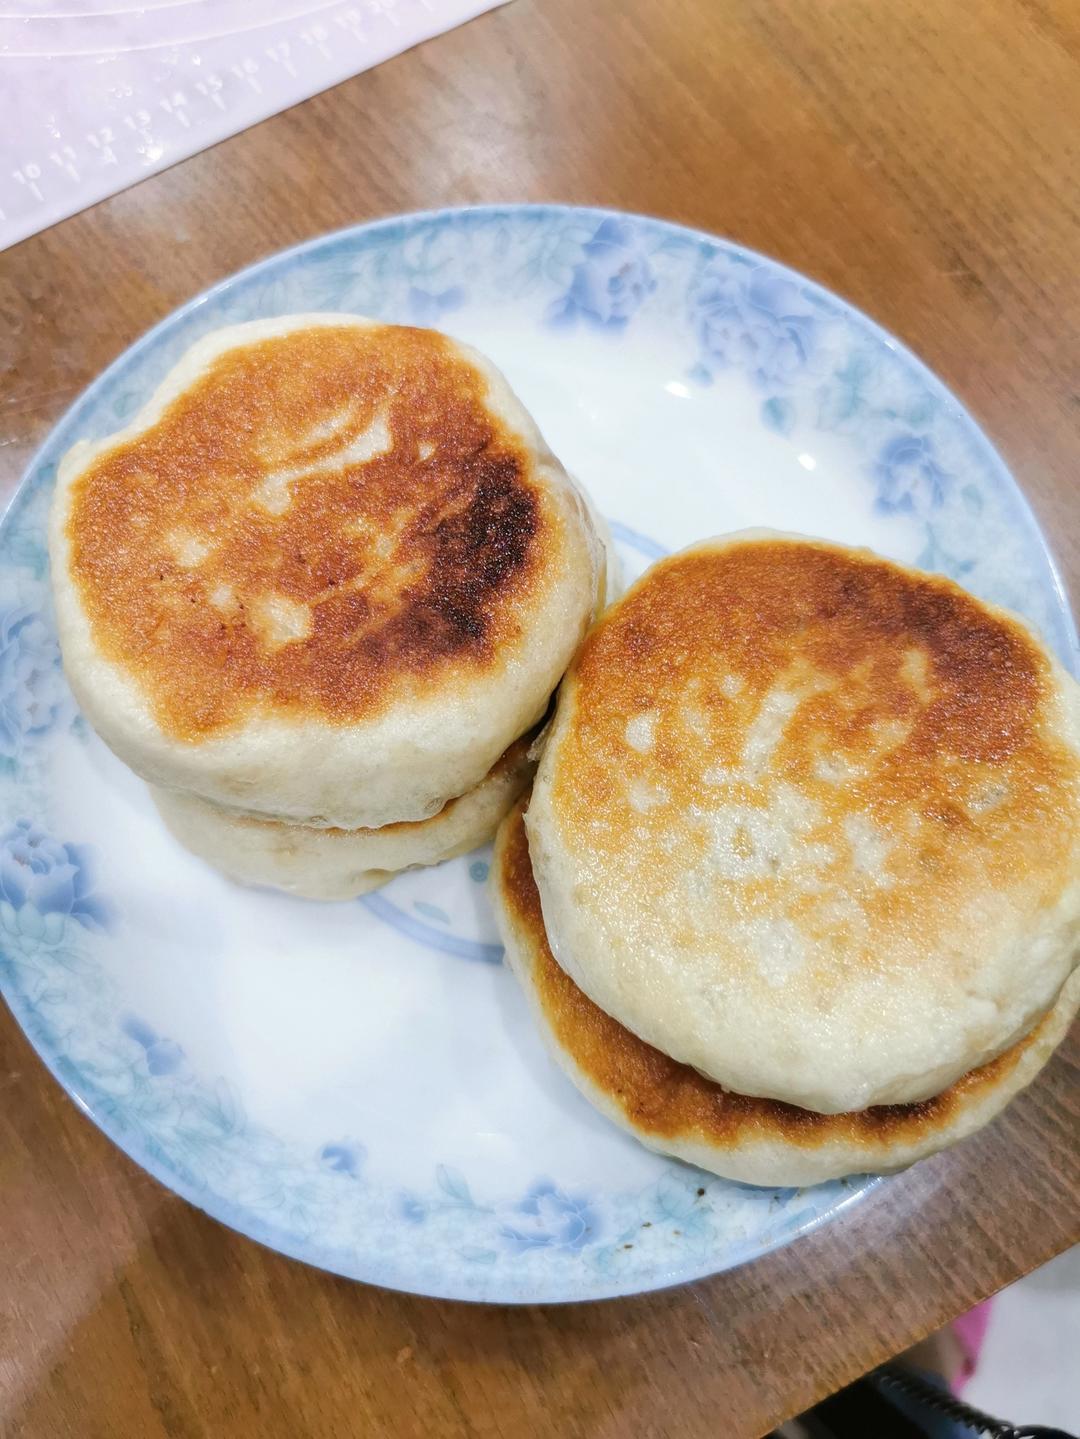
(318, 594)
(797, 890)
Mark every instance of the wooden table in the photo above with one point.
(919, 158)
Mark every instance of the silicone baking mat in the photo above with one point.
(97, 94)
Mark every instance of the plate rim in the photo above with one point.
(1066, 640)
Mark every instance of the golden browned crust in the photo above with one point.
(664, 1100)
(232, 557)
(913, 708)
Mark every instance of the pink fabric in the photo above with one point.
(970, 1329)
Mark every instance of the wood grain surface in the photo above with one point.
(918, 157)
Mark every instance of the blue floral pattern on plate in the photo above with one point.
(550, 1219)
(43, 879)
(32, 693)
(755, 319)
(909, 476)
(813, 372)
(612, 279)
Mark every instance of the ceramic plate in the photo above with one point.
(360, 1085)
